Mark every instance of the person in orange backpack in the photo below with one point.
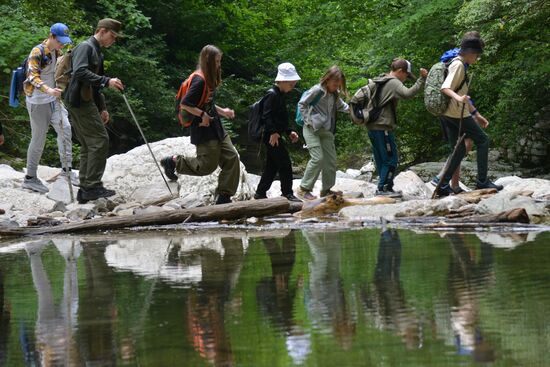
(214, 146)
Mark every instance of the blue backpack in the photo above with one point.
(299, 118)
(18, 77)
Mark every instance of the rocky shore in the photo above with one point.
(140, 189)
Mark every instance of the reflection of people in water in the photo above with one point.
(207, 301)
(56, 323)
(468, 276)
(385, 302)
(275, 296)
(5, 317)
(326, 300)
(97, 313)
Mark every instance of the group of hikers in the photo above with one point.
(84, 102)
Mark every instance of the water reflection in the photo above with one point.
(311, 297)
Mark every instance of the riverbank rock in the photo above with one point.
(412, 186)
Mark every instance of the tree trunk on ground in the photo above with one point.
(232, 211)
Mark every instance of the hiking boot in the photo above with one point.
(79, 197)
(169, 168)
(291, 197)
(488, 185)
(328, 192)
(389, 193)
(95, 193)
(34, 184)
(305, 194)
(260, 196)
(72, 175)
(444, 190)
(223, 199)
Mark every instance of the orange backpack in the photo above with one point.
(185, 118)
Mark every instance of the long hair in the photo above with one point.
(334, 72)
(207, 64)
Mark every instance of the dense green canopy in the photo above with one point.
(510, 84)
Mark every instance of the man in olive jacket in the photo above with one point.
(381, 132)
(86, 104)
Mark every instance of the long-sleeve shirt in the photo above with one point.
(40, 74)
(322, 115)
(275, 113)
(393, 91)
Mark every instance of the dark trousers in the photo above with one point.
(386, 157)
(277, 161)
(474, 132)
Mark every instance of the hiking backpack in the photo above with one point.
(184, 117)
(365, 103)
(256, 125)
(63, 70)
(299, 118)
(19, 75)
(435, 100)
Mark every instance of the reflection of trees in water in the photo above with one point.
(469, 275)
(206, 302)
(5, 318)
(325, 297)
(384, 299)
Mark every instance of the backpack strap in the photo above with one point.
(205, 92)
(466, 78)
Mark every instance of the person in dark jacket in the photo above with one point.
(86, 105)
(214, 146)
(275, 118)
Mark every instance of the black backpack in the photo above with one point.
(18, 77)
(255, 122)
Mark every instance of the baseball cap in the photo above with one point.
(61, 33)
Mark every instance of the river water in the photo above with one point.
(311, 297)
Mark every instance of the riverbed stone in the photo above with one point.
(59, 191)
(29, 202)
(10, 178)
(81, 213)
(508, 200)
(411, 185)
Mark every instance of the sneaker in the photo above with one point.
(169, 168)
(444, 190)
(330, 192)
(223, 199)
(72, 175)
(79, 197)
(435, 181)
(95, 193)
(488, 185)
(389, 193)
(34, 184)
(305, 194)
(260, 196)
(457, 190)
(291, 197)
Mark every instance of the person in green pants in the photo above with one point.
(86, 105)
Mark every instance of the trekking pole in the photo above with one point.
(146, 143)
(64, 154)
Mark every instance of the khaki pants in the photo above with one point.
(210, 155)
(322, 154)
(94, 143)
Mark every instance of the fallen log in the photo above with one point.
(333, 203)
(232, 211)
(475, 196)
(518, 215)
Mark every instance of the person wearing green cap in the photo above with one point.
(44, 108)
(87, 107)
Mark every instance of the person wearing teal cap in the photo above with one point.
(44, 107)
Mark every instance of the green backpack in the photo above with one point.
(436, 101)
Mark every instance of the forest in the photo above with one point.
(510, 84)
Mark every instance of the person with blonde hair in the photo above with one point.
(214, 146)
(319, 106)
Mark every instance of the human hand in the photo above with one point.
(105, 117)
(463, 99)
(423, 72)
(294, 137)
(482, 121)
(274, 139)
(205, 120)
(116, 83)
(56, 92)
(228, 113)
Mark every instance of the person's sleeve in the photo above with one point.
(34, 68)
(455, 76)
(342, 106)
(80, 61)
(194, 93)
(403, 92)
(307, 99)
(268, 112)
